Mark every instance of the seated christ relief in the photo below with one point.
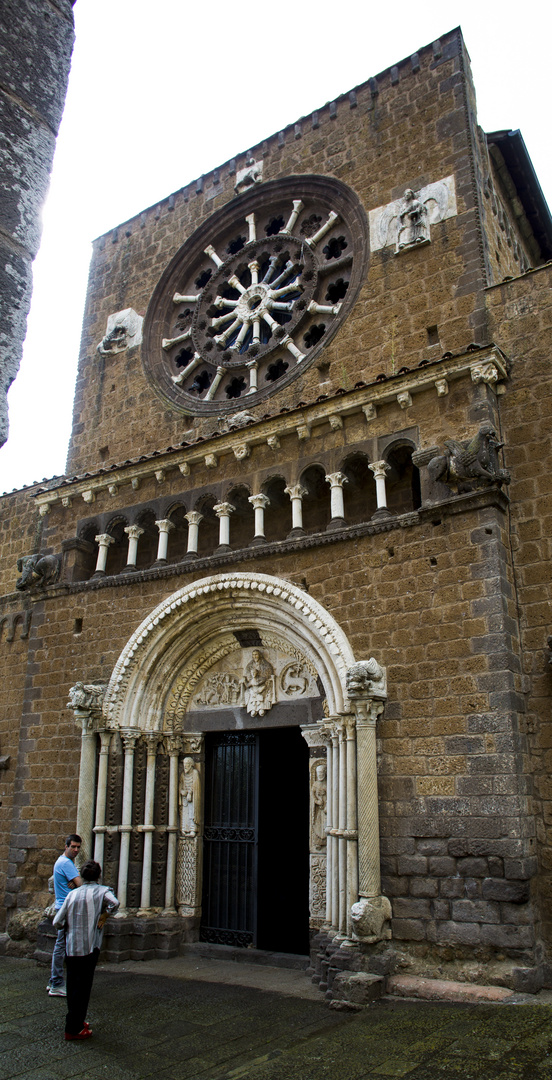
(255, 679)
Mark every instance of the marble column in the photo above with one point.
(351, 828)
(223, 511)
(164, 526)
(87, 782)
(342, 826)
(174, 743)
(148, 828)
(368, 810)
(296, 493)
(336, 481)
(252, 367)
(103, 540)
(193, 519)
(134, 532)
(101, 796)
(379, 469)
(129, 739)
(259, 504)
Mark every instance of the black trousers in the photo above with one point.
(80, 976)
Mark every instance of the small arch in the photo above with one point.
(117, 552)
(359, 493)
(403, 479)
(278, 512)
(316, 503)
(85, 564)
(149, 540)
(178, 535)
(242, 521)
(208, 534)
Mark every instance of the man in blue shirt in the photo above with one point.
(66, 877)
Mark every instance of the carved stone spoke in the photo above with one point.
(255, 290)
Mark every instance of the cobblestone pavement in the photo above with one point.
(179, 1027)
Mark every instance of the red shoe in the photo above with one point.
(84, 1034)
(86, 1026)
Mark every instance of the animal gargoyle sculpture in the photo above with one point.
(471, 462)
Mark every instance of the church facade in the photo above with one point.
(276, 645)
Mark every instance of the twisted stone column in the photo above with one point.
(174, 744)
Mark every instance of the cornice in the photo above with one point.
(482, 364)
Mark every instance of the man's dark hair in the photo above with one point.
(72, 837)
(91, 871)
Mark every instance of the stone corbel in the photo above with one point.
(242, 451)
(404, 399)
(211, 461)
(486, 372)
(370, 412)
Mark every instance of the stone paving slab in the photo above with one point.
(184, 1021)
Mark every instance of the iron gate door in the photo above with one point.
(230, 866)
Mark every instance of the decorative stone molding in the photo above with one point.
(170, 634)
(405, 223)
(123, 331)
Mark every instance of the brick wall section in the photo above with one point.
(411, 133)
(521, 320)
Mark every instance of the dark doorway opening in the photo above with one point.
(256, 840)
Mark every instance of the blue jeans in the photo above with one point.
(58, 956)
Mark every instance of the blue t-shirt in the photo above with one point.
(64, 872)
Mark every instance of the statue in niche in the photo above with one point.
(189, 797)
(413, 226)
(470, 461)
(258, 685)
(319, 797)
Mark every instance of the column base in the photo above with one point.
(382, 514)
(97, 574)
(258, 541)
(295, 534)
(336, 523)
(190, 556)
(130, 568)
(159, 562)
(222, 549)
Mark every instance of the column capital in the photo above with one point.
(133, 532)
(259, 501)
(193, 517)
(173, 744)
(336, 479)
(129, 738)
(164, 525)
(152, 740)
(223, 509)
(379, 468)
(104, 539)
(296, 491)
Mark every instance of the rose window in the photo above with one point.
(255, 294)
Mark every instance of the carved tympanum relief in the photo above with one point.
(254, 679)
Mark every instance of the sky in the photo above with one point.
(160, 93)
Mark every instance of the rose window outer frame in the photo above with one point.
(230, 322)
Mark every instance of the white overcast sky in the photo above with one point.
(162, 92)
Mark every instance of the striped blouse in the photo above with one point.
(80, 913)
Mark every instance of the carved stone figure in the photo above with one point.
(470, 461)
(369, 917)
(413, 225)
(259, 690)
(124, 329)
(88, 696)
(37, 570)
(189, 798)
(318, 800)
(294, 679)
(364, 678)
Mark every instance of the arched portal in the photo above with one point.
(222, 662)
